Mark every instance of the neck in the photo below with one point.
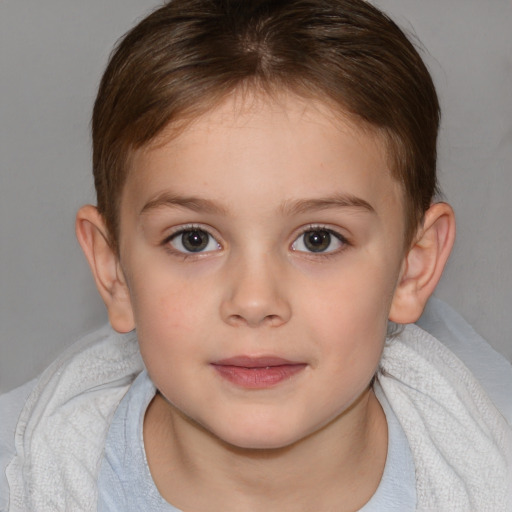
(336, 468)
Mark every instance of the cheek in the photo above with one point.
(348, 315)
(167, 331)
(165, 297)
(167, 315)
(356, 297)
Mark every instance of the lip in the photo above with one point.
(257, 372)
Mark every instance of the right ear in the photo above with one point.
(93, 237)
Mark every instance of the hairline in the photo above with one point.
(254, 89)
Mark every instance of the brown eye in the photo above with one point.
(193, 240)
(318, 241)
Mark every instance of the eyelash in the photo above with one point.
(180, 231)
(307, 229)
(344, 242)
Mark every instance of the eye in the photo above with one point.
(193, 240)
(319, 240)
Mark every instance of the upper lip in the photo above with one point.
(255, 362)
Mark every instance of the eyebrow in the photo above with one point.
(196, 204)
(325, 203)
(294, 207)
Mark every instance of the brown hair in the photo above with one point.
(190, 54)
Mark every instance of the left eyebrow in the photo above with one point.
(325, 203)
(196, 204)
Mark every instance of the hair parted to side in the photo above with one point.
(188, 55)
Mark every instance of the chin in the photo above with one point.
(264, 438)
(260, 444)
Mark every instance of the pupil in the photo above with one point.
(317, 241)
(194, 241)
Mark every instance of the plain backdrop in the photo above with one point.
(52, 53)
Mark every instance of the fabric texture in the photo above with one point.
(461, 444)
(459, 441)
(125, 483)
(11, 405)
(61, 431)
(489, 367)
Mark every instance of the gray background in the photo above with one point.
(52, 53)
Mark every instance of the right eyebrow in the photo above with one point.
(324, 203)
(196, 204)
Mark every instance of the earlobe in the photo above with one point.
(92, 235)
(424, 264)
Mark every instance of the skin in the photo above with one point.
(253, 176)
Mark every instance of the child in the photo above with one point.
(265, 173)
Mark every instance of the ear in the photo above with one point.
(93, 237)
(424, 264)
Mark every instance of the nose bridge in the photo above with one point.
(256, 292)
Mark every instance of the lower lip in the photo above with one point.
(260, 377)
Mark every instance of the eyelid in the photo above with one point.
(183, 228)
(321, 227)
(176, 230)
(334, 230)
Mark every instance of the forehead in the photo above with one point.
(282, 148)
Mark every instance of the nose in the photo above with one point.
(255, 294)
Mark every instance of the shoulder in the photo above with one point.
(442, 383)
(489, 367)
(11, 405)
(53, 429)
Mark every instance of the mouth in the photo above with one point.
(257, 372)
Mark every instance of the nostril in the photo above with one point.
(254, 303)
(270, 320)
(238, 319)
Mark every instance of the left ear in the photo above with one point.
(424, 264)
(93, 237)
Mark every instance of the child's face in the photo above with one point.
(267, 235)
